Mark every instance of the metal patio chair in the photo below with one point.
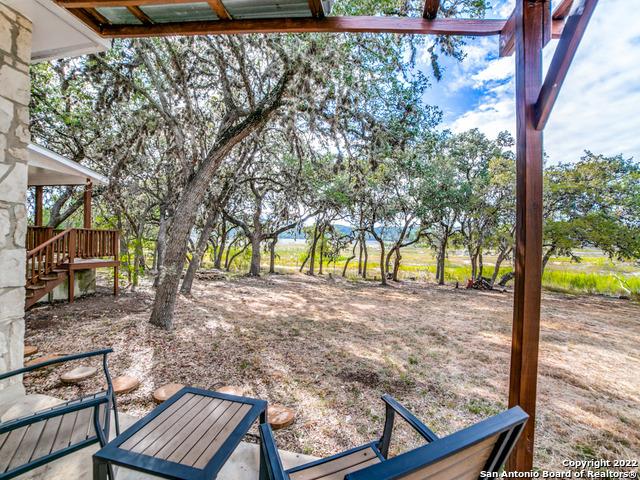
(483, 447)
(39, 438)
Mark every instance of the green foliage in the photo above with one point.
(242, 261)
(593, 202)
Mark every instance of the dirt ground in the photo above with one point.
(329, 348)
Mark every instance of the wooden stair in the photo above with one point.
(55, 255)
(46, 283)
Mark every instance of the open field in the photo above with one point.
(595, 274)
(329, 348)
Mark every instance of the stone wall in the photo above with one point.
(15, 90)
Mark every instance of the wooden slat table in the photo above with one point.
(188, 437)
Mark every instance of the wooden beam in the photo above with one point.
(547, 22)
(507, 42)
(316, 8)
(220, 10)
(98, 17)
(140, 15)
(562, 10)
(87, 18)
(507, 36)
(562, 58)
(529, 30)
(117, 3)
(430, 10)
(446, 26)
(88, 188)
(39, 205)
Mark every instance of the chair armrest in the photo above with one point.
(54, 361)
(78, 356)
(410, 418)
(55, 411)
(270, 464)
(393, 407)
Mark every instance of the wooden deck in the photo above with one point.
(54, 256)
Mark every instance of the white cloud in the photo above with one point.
(495, 70)
(598, 105)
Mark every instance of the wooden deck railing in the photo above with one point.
(47, 256)
(96, 243)
(38, 235)
(64, 247)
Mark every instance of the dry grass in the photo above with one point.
(330, 348)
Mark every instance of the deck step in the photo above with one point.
(29, 294)
(49, 277)
(35, 287)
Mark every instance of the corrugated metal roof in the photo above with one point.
(184, 12)
(202, 11)
(119, 16)
(249, 9)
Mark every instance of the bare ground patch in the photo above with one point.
(330, 348)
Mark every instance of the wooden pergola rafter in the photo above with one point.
(526, 32)
(316, 21)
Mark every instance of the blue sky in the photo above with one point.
(599, 105)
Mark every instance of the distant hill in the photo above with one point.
(391, 234)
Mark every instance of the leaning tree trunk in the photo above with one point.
(222, 246)
(161, 244)
(56, 215)
(194, 193)
(441, 257)
(359, 256)
(496, 268)
(312, 252)
(547, 257)
(365, 260)
(236, 255)
(322, 230)
(346, 264)
(506, 278)
(201, 247)
(138, 260)
(272, 255)
(396, 265)
(388, 258)
(228, 258)
(254, 269)
(473, 259)
(383, 271)
(304, 262)
(170, 270)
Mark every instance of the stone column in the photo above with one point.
(15, 90)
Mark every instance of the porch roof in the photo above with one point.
(47, 168)
(139, 18)
(56, 32)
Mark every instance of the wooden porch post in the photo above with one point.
(39, 203)
(73, 245)
(87, 203)
(530, 26)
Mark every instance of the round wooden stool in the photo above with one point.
(78, 374)
(279, 416)
(125, 384)
(45, 358)
(163, 393)
(30, 350)
(231, 390)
